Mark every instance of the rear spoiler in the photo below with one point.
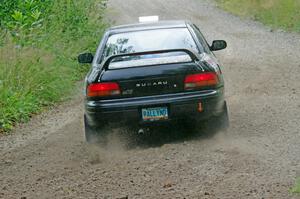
(192, 55)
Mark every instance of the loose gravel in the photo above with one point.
(258, 157)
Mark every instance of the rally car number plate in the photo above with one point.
(153, 114)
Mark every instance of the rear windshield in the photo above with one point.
(149, 40)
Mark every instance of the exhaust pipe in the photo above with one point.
(141, 132)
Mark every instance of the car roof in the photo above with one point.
(148, 26)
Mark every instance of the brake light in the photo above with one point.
(200, 80)
(103, 89)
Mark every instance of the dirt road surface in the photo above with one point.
(258, 157)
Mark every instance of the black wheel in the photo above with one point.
(93, 134)
(220, 122)
(223, 119)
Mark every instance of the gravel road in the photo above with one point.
(258, 157)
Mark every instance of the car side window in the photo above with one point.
(201, 38)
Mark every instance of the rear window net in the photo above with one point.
(146, 60)
(149, 58)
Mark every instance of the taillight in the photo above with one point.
(200, 80)
(103, 89)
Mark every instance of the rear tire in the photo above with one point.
(94, 135)
(220, 122)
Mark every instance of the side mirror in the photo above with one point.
(85, 58)
(218, 45)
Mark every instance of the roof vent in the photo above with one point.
(146, 19)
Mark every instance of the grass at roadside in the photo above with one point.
(296, 188)
(38, 64)
(282, 14)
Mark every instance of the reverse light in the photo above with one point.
(200, 80)
(103, 89)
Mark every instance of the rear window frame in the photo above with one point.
(99, 57)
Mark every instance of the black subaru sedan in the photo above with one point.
(153, 73)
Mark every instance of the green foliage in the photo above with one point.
(23, 16)
(38, 48)
(275, 13)
(296, 189)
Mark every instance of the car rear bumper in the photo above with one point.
(180, 106)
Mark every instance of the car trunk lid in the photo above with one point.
(150, 80)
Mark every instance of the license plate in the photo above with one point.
(153, 114)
